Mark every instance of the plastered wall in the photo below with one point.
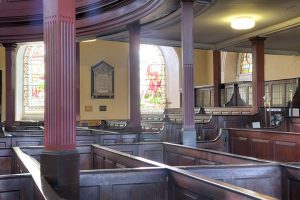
(116, 55)
(276, 67)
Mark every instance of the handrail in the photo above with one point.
(33, 167)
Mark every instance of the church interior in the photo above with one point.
(149, 99)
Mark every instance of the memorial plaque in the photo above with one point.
(102, 80)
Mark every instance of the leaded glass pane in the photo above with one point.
(33, 79)
(152, 79)
(246, 63)
(290, 89)
(276, 95)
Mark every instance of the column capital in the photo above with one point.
(10, 46)
(257, 40)
(134, 26)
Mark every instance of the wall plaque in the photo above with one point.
(102, 81)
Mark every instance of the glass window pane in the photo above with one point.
(152, 79)
(246, 63)
(277, 95)
(33, 79)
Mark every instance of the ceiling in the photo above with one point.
(278, 20)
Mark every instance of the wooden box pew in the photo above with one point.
(153, 131)
(123, 184)
(290, 182)
(178, 155)
(265, 179)
(5, 141)
(107, 158)
(7, 161)
(270, 145)
(112, 137)
(85, 154)
(16, 187)
(39, 187)
(152, 151)
(220, 143)
(159, 184)
(184, 185)
(155, 117)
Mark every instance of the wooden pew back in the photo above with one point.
(270, 145)
(265, 179)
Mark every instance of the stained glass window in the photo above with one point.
(33, 79)
(246, 63)
(152, 79)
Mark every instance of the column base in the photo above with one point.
(61, 170)
(189, 137)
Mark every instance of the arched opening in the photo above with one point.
(159, 78)
(152, 79)
(30, 91)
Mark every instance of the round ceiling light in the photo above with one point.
(242, 23)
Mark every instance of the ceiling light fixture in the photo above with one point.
(242, 23)
(92, 40)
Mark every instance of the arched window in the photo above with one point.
(152, 79)
(31, 90)
(246, 63)
(33, 79)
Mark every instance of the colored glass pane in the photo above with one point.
(33, 79)
(152, 79)
(246, 63)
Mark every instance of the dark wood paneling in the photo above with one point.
(241, 146)
(178, 155)
(265, 179)
(137, 184)
(185, 186)
(27, 141)
(261, 148)
(282, 149)
(290, 182)
(5, 142)
(108, 158)
(6, 161)
(271, 145)
(16, 187)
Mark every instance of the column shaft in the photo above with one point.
(10, 75)
(258, 72)
(187, 14)
(77, 82)
(60, 159)
(134, 75)
(60, 62)
(217, 78)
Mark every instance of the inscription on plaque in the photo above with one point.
(102, 80)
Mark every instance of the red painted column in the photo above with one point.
(77, 81)
(60, 159)
(10, 74)
(187, 17)
(134, 75)
(258, 72)
(217, 77)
